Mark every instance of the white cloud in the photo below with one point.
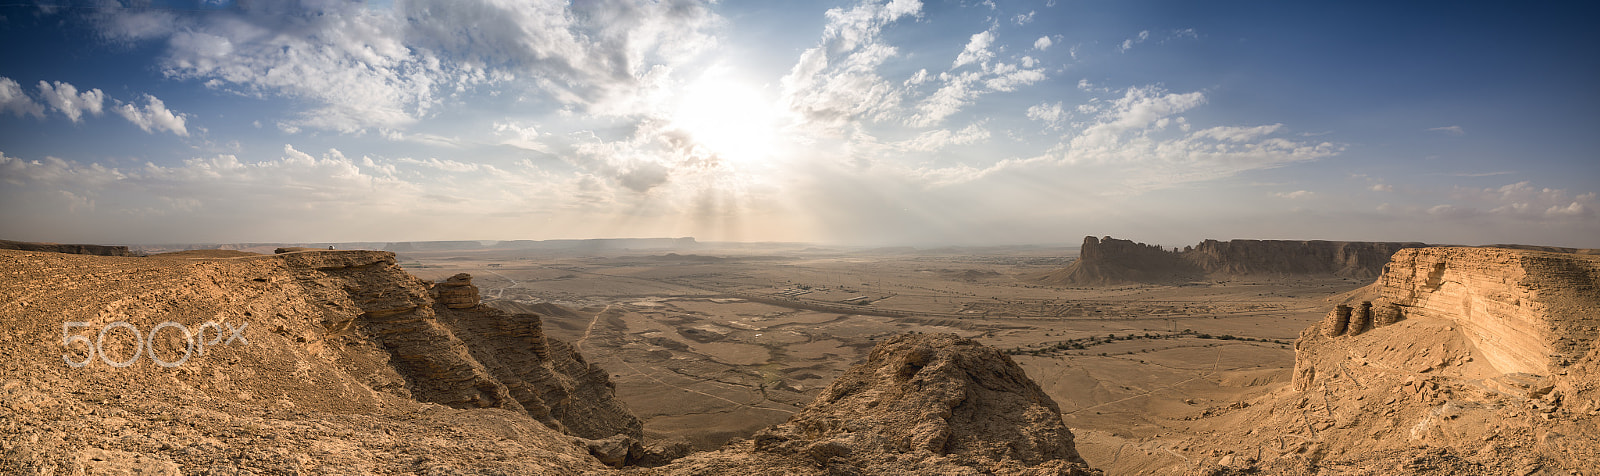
(976, 51)
(1295, 195)
(361, 68)
(64, 98)
(920, 77)
(1237, 134)
(520, 136)
(1007, 77)
(836, 83)
(1522, 199)
(1449, 130)
(1052, 115)
(154, 116)
(1043, 43)
(446, 165)
(939, 139)
(1023, 19)
(1128, 43)
(956, 93)
(1381, 187)
(17, 102)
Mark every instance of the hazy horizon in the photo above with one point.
(841, 123)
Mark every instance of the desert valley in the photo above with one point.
(680, 357)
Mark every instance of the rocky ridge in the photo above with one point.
(345, 364)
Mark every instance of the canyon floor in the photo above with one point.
(713, 346)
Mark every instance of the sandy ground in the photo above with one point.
(711, 347)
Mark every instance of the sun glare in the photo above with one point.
(729, 117)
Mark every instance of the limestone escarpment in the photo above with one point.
(1112, 261)
(920, 404)
(1466, 361)
(1352, 259)
(100, 250)
(1521, 311)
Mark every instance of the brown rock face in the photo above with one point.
(921, 404)
(1112, 261)
(101, 250)
(457, 292)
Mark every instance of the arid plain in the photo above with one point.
(712, 344)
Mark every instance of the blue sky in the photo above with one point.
(869, 123)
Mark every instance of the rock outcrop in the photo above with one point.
(1467, 361)
(1520, 311)
(100, 250)
(1109, 260)
(921, 404)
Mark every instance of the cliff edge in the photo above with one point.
(1455, 361)
(1107, 260)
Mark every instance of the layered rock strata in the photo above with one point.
(1109, 260)
(100, 250)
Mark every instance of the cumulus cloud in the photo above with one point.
(14, 100)
(1449, 130)
(1052, 115)
(64, 98)
(1043, 43)
(1132, 142)
(1523, 199)
(976, 51)
(153, 116)
(363, 68)
(837, 83)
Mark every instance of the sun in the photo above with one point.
(729, 117)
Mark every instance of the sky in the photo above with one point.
(897, 122)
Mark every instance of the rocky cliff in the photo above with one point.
(101, 250)
(1112, 261)
(1455, 361)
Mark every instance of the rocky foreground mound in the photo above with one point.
(1109, 260)
(921, 404)
(1456, 361)
(339, 362)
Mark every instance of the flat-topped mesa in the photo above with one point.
(1112, 261)
(101, 250)
(457, 292)
(1352, 259)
